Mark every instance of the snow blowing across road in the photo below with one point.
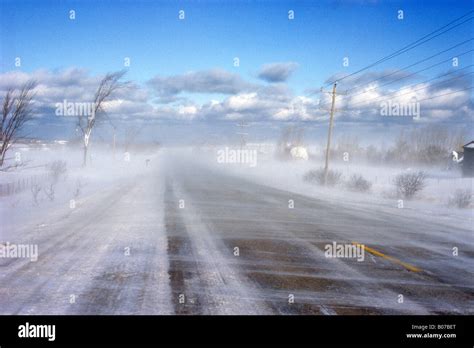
(176, 233)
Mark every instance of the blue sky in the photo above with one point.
(214, 32)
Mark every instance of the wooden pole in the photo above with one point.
(331, 121)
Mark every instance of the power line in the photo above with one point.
(409, 75)
(414, 73)
(442, 95)
(406, 50)
(434, 97)
(410, 46)
(434, 78)
(419, 89)
(421, 61)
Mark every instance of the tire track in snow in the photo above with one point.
(225, 290)
(135, 282)
(183, 266)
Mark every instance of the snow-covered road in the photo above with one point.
(183, 238)
(108, 255)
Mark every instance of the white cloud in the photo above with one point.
(277, 72)
(206, 81)
(241, 100)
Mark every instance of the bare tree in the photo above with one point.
(16, 110)
(108, 85)
(428, 145)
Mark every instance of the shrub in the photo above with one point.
(408, 184)
(317, 177)
(461, 198)
(358, 183)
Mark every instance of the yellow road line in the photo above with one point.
(393, 259)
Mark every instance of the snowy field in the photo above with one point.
(75, 183)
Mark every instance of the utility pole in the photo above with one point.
(331, 121)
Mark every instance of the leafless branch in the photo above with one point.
(107, 86)
(16, 111)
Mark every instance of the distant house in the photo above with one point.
(468, 160)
